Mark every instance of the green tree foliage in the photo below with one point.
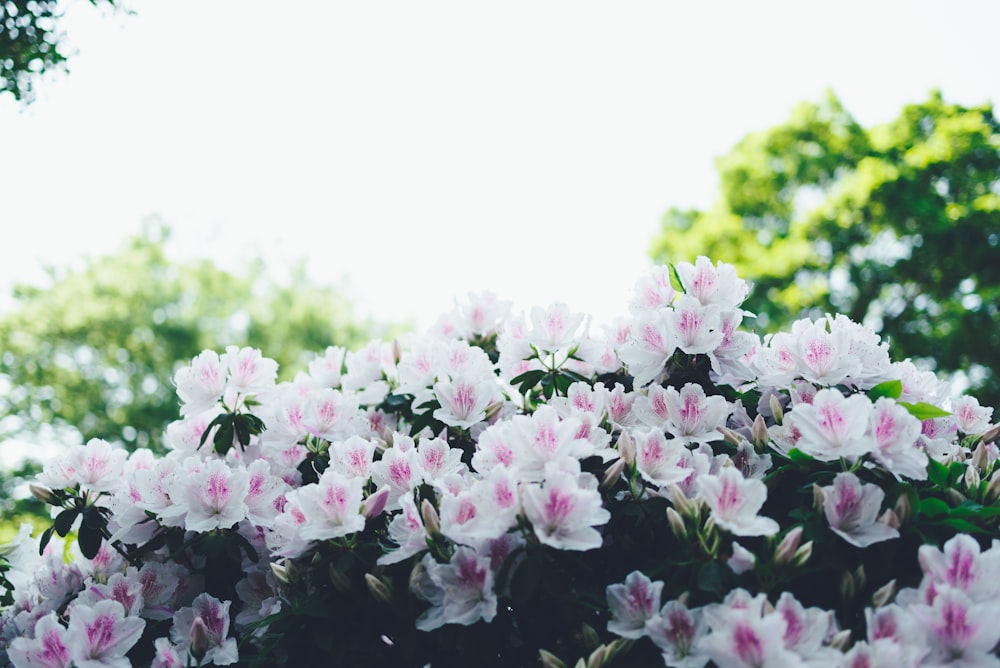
(95, 350)
(30, 43)
(897, 226)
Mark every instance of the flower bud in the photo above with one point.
(590, 637)
(375, 503)
(379, 590)
(840, 640)
(991, 434)
(884, 594)
(44, 494)
(981, 456)
(972, 476)
(626, 449)
(198, 639)
(848, 586)
(860, 577)
(903, 509)
(730, 436)
(890, 519)
(788, 546)
(493, 409)
(612, 475)
(432, 523)
(677, 524)
(818, 498)
(776, 410)
(680, 501)
(285, 572)
(550, 660)
(596, 658)
(993, 488)
(397, 351)
(338, 579)
(759, 433)
(803, 554)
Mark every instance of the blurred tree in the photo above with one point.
(30, 43)
(96, 349)
(897, 226)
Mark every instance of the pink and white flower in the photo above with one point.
(460, 592)
(833, 426)
(101, 635)
(852, 509)
(564, 512)
(735, 502)
(632, 604)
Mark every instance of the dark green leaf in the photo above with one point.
(526, 579)
(528, 379)
(46, 537)
(89, 540)
(64, 520)
(937, 472)
(710, 578)
(934, 507)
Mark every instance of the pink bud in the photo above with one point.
(375, 503)
(199, 639)
(788, 546)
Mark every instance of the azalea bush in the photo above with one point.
(520, 490)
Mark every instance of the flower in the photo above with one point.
(632, 604)
(852, 510)
(735, 502)
(564, 511)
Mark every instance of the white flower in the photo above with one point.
(332, 506)
(101, 635)
(461, 591)
(735, 502)
(563, 513)
(632, 604)
(852, 510)
(833, 426)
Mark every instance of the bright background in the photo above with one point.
(425, 149)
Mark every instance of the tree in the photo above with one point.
(897, 226)
(30, 43)
(95, 350)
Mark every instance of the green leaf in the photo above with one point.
(892, 389)
(933, 507)
(227, 432)
(214, 423)
(924, 411)
(528, 379)
(64, 521)
(675, 279)
(89, 539)
(937, 472)
(46, 537)
(710, 578)
(797, 455)
(526, 579)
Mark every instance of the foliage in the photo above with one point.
(505, 490)
(896, 226)
(31, 43)
(93, 350)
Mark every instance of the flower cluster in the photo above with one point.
(506, 487)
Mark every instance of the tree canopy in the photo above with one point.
(30, 43)
(896, 225)
(95, 350)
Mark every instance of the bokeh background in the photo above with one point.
(294, 175)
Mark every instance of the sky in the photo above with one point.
(415, 151)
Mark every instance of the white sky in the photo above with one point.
(425, 149)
